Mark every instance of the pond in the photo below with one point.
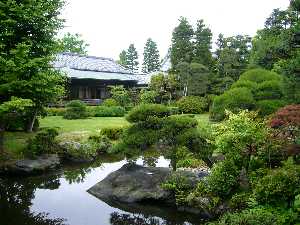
(60, 198)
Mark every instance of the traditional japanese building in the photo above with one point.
(91, 76)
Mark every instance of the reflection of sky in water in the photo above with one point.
(73, 203)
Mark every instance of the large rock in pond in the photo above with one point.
(32, 166)
(137, 184)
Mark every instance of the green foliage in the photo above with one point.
(182, 47)
(258, 216)
(110, 102)
(113, 111)
(267, 107)
(120, 95)
(72, 43)
(148, 97)
(251, 92)
(223, 179)
(192, 104)
(27, 50)
(55, 111)
(151, 57)
(113, 133)
(101, 143)
(43, 143)
(75, 109)
(234, 100)
(279, 186)
(142, 113)
(131, 59)
(87, 150)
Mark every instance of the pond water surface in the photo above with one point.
(60, 198)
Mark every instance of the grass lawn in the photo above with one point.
(75, 129)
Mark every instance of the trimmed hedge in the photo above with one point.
(192, 104)
(75, 109)
(113, 133)
(113, 111)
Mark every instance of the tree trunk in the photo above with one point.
(31, 121)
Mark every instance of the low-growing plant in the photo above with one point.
(43, 143)
(110, 102)
(113, 111)
(113, 133)
(102, 143)
(76, 109)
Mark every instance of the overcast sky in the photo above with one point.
(109, 26)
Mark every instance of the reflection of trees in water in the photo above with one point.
(77, 175)
(16, 197)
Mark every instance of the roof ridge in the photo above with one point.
(86, 56)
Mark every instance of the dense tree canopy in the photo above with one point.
(72, 43)
(151, 57)
(27, 44)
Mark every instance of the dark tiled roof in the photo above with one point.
(88, 63)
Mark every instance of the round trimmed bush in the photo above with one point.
(192, 104)
(234, 100)
(110, 102)
(147, 111)
(267, 107)
(75, 109)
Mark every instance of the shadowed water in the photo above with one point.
(61, 198)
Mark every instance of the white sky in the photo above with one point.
(109, 26)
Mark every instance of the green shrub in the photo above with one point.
(110, 102)
(245, 84)
(145, 112)
(258, 216)
(259, 76)
(75, 109)
(55, 111)
(272, 89)
(267, 107)
(174, 110)
(223, 179)
(113, 111)
(192, 104)
(85, 151)
(101, 143)
(278, 186)
(148, 97)
(43, 143)
(234, 100)
(113, 133)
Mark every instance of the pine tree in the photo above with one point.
(132, 59)
(203, 42)
(182, 46)
(123, 58)
(151, 57)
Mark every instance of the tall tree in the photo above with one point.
(73, 43)
(123, 58)
(27, 44)
(203, 45)
(132, 59)
(182, 46)
(151, 57)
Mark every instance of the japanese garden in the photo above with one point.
(207, 134)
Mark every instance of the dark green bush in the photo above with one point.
(113, 133)
(259, 76)
(234, 100)
(272, 89)
(55, 111)
(278, 186)
(101, 143)
(223, 179)
(43, 143)
(267, 107)
(258, 216)
(113, 111)
(75, 109)
(110, 102)
(145, 112)
(192, 104)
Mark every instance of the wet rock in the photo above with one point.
(32, 166)
(133, 183)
